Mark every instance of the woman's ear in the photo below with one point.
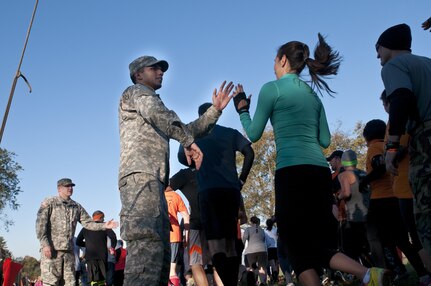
(284, 61)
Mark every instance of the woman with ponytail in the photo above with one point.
(306, 226)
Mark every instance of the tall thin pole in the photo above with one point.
(17, 75)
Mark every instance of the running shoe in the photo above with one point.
(378, 277)
(174, 281)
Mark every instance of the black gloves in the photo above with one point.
(237, 99)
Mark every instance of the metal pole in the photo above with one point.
(17, 75)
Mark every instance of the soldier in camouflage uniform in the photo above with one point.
(146, 126)
(407, 80)
(55, 227)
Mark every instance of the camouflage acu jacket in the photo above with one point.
(146, 126)
(56, 222)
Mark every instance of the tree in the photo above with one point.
(342, 140)
(9, 188)
(258, 191)
(4, 252)
(31, 267)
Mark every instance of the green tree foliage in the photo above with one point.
(258, 191)
(342, 140)
(4, 252)
(31, 268)
(9, 188)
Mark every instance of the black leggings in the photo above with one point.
(407, 213)
(384, 221)
(355, 243)
(303, 208)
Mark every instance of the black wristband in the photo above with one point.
(392, 145)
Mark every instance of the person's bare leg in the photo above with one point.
(217, 279)
(274, 270)
(309, 278)
(199, 275)
(172, 269)
(262, 275)
(345, 264)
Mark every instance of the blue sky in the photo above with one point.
(77, 63)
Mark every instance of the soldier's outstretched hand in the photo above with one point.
(222, 97)
(47, 251)
(111, 224)
(194, 153)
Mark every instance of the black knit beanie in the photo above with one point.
(203, 108)
(397, 37)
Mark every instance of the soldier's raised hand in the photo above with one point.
(222, 97)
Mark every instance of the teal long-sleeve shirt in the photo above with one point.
(298, 119)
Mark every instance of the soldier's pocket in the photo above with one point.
(147, 201)
(53, 266)
(140, 219)
(140, 196)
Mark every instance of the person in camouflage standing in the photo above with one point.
(146, 126)
(55, 228)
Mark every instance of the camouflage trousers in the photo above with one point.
(59, 269)
(145, 227)
(420, 179)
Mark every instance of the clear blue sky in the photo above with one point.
(77, 63)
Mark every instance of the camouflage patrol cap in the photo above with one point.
(65, 182)
(147, 61)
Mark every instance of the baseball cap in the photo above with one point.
(65, 182)
(146, 61)
(336, 153)
(204, 107)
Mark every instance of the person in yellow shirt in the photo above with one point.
(385, 227)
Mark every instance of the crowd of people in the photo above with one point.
(367, 216)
